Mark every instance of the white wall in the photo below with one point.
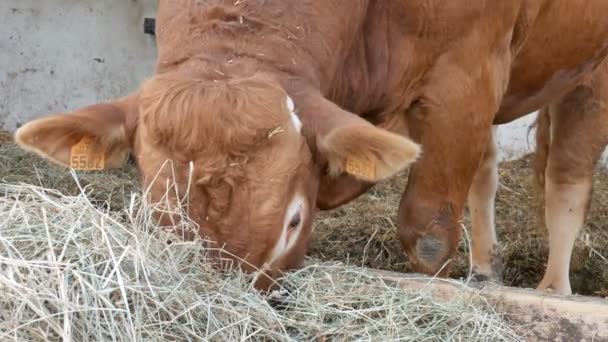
(56, 55)
(514, 140)
(61, 54)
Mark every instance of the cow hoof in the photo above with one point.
(550, 285)
(487, 273)
(490, 277)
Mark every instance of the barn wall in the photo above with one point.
(60, 54)
(56, 55)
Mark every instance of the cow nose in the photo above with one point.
(265, 282)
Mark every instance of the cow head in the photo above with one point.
(247, 160)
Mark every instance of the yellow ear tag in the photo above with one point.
(85, 157)
(361, 167)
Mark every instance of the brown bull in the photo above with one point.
(255, 102)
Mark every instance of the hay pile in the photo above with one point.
(59, 277)
(72, 271)
(363, 233)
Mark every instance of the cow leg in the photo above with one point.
(454, 132)
(578, 136)
(565, 213)
(431, 208)
(487, 263)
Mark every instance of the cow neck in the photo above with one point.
(211, 68)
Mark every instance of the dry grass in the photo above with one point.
(72, 271)
(17, 166)
(524, 237)
(95, 268)
(363, 233)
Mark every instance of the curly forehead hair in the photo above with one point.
(216, 124)
(190, 116)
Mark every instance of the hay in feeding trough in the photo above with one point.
(72, 271)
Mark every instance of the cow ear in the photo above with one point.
(364, 151)
(91, 138)
(347, 142)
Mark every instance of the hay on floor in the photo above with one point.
(363, 233)
(72, 271)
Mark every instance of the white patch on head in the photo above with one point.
(290, 105)
(292, 112)
(288, 238)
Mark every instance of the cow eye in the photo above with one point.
(295, 221)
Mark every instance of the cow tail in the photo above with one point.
(539, 160)
(543, 142)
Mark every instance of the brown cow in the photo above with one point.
(445, 70)
(221, 108)
(571, 135)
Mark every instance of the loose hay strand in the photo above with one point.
(72, 270)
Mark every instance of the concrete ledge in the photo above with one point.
(543, 316)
